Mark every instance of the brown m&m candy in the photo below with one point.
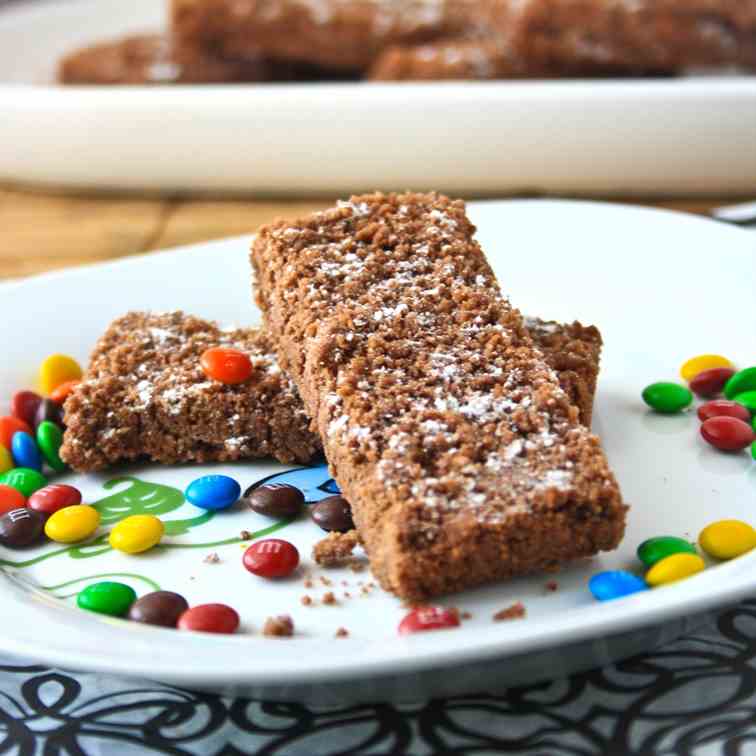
(21, 527)
(161, 608)
(48, 410)
(333, 514)
(275, 500)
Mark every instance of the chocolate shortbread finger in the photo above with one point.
(145, 396)
(463, 459)
(156, 59)
(153, 59)
(334, 33)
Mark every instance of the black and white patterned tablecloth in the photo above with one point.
(696, 696)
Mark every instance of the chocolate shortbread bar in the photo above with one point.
(155, 59)
(334, 33)
(463, 459)
(137, 400)
(145, 396)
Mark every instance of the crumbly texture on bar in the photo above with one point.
(336, 33)
(145, 396)
(463, 459)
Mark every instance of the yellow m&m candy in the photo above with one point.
(137, 533)
(56, 370)
(673, 568)
(6, 460)
(72, 524)
(727, 539)
(696, 365)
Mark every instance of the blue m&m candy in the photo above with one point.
(606, 586)
(213, 492)
(25, 451)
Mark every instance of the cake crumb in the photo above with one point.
(308, 583)
(465, 615)
(281, 626)
(515, 611)
(552, 586)
(347, 595)
(212, 558)
(329, 599)
(342, 632)
(245, 535)
(326, 581)
(335, 550)
(306, 601)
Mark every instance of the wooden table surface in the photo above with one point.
(43, 231)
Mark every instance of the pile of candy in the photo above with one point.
(668, 559)
(728, 424)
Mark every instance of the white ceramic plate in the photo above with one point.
(679, 136)
(661, 286)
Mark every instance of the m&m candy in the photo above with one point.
(655, 549)
(62, 392)
(136, 534)
(6, 460)
(25, 452)
(271, 558)
(161, 608)
(50, 499)
(24, 406)
(20, 528)
(667, 397)
(210, 618)
(72, 524)
(9, 426)
(614, 584)
(727, 539)
(673, 568)
(727, 433)
(696, 365)
(24, 479)
(111, 598)
(49, 441)
(748, 400)
(710, 383)
(226, 365)
(742, 381)
(213, 492)
(723, 408)
(10, 499)
(428, 618)
(56, 370)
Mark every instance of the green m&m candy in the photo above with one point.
(49, 441)
(744, 380)
(748, 400)
(667, 397)
(655, 549)
(114, 599)
(24, 479)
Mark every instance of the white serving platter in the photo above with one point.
(661, 286)
(676, 136)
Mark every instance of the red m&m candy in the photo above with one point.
(24, 406)
(226, 365)
(210, 618)
(723, 408)
(428, 618)
(271, 558)
(50, 499)
(727, 433)
(711, 382)
(10, 499)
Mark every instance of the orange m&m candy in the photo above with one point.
(226, 365)
(9, 426)
(62, 392)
